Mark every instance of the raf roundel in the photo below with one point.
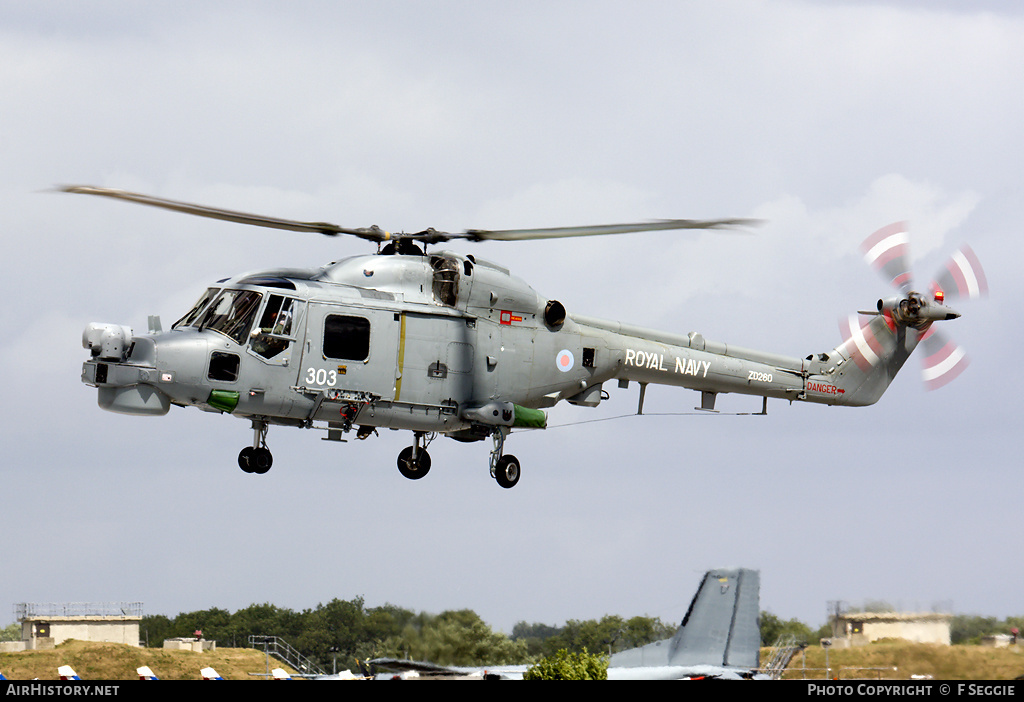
(564, 360)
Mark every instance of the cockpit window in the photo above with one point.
(232, 313)
(193, 313)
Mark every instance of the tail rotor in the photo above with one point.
(962, 277)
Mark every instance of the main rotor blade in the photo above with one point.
(376, 234)
(601, 229)
(371, 233)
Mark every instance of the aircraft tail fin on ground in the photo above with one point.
(721, 627)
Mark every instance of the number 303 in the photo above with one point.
(321, 376)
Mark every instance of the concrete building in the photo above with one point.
(47, 624)
(861, 628)
(190, 644)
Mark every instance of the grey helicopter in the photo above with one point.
(441, 343)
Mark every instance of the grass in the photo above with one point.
(109, 661)
(889, 660)
(898, 660)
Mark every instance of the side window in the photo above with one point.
(346, 337)
(276, 328)
(223, 367)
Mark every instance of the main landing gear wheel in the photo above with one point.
(255, 460)
(413, 469)
(507, 471)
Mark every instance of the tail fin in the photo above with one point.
(210, 674)
(145, 673)
(871, 355)
(721, 627)
(722, 624)
(280, 674)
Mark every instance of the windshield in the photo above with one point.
(193, 313)
(232, 313)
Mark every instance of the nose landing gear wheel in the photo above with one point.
(507, 471)
(413, 469)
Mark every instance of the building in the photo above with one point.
(860, 628)
(47, 624)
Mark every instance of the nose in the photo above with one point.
(107, 341)
(124, 385)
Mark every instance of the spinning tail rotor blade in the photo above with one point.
(944, 360)
(887, 252)
(962, 276)
(860, 342)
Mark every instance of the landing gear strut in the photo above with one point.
(414, 461)
(256, 458)
(504, 469)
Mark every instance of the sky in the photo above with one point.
(825, 120)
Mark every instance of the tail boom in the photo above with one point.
(855, 373)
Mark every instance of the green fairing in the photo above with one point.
(530, 418)
(224, 400)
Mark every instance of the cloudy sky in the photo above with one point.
(826, 120)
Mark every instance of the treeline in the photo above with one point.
(969, 628)
(343, 631)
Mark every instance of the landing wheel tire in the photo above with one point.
(507, 471)
(261, 460)
(413, 470)
(245, 459)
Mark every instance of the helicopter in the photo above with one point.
(442, 343)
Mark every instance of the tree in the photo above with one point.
(535, 636)
(11, 632)
(640, 631)
(215, 624)
(772, 628)
(154, 628)
(563, 665)
(609, 634)
(454, 638)
(966, 628)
